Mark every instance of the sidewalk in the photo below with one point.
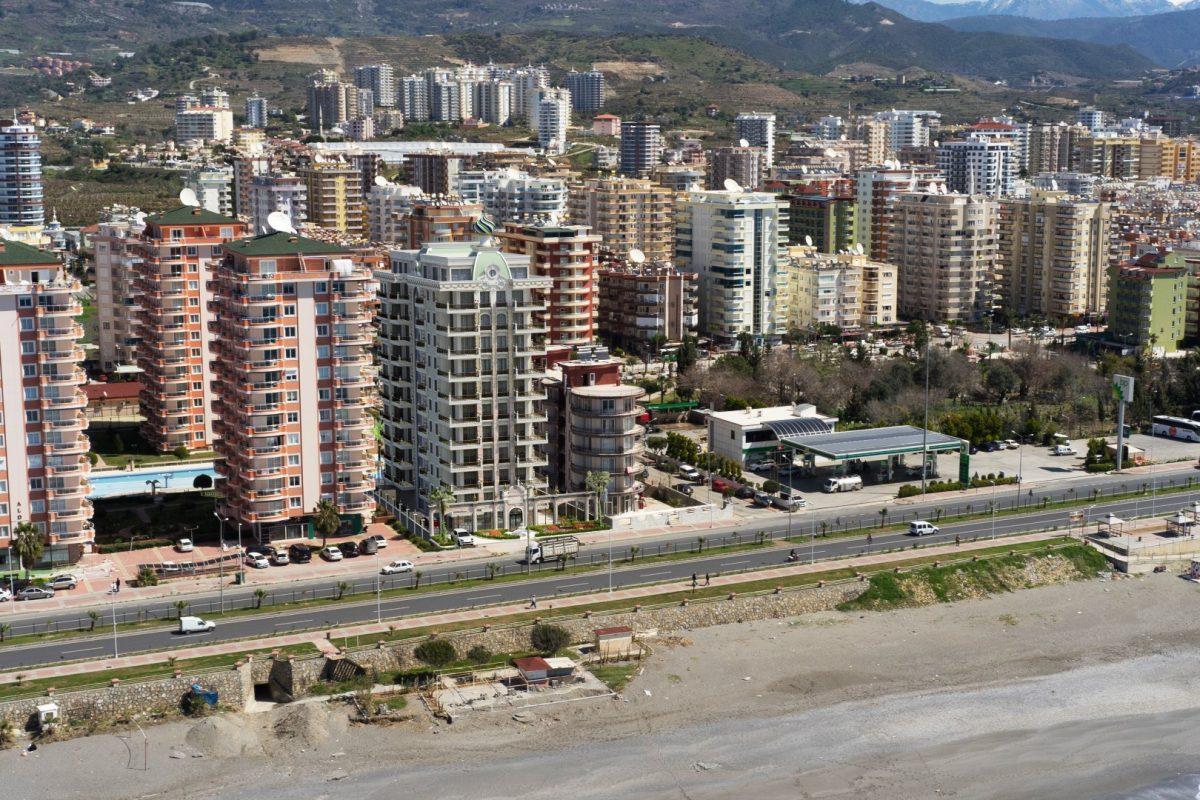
(320, 638)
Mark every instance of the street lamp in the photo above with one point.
(1020, 465)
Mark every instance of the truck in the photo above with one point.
(551, 548)
(843, 483)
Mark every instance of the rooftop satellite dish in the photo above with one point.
(5, 233)
(858, 248)
(803, 170)
(187, 196)
(732, 186)
(280, 222)
(808, 241)
(937, 144)
(637, 256)
(139, 218)
(381, 181)
(743, 142)
(1053, 185)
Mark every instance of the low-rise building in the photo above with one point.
(1147, 303)
(755, 433)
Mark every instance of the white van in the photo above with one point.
(845, 483)
(919, 527)
(195, 625)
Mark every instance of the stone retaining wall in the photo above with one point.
(235, 687)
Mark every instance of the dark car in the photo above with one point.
(744, 492)
(300, 553)
(993, 447)
(685, 488)
(349, 549)
(368, 547)
(260, 550)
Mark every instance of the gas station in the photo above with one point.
(879, 451)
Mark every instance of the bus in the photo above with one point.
(1176, 428)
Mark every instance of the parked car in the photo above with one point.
(689, 472)
(5, 595)
(260, 550)
(919, 527)
(331, 553)
(762, 499)
(349, 549)
(257, 561)
(684, 488)
(1062, 450)
(63, 581)
(719, 485)
(394, 567)
(379, 539)
(195, 625)
(760, 465)
(1012, 444)
(184, 546)
(463, 537)
(992, 447)
(368, 547)
(300, 553)
(279, 557)
(791, 503)
(744, 492)
(35, 593)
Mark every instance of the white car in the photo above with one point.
(463, 538)
(1062, 450)
(396, 567)
(379, 539)
(5, 595)
(331, 553)
(689, 472)
(756, 466)
(920, 527)
(279, 557)
(257, 560)
(184, 546)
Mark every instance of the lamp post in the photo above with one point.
(1020, 466)
(114, 623)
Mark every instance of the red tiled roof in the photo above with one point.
(531, 664)
(122, 390)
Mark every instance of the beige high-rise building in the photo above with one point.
(1054, 256)
(1107, 156)
(945, 248)
(843, 289)
(626, 213)
(116, 300)
(1050, 146)
(335, 199)
(875, 133)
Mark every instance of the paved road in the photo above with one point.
(549, 584)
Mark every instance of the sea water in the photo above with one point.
(1182, 787)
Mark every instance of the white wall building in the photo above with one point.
(553, 118)
(758, 129)
(511, 195)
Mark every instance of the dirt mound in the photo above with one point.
(309, 725)
(224, 737)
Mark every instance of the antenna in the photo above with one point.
(743, 142)
(280, 222)
(187, 196)
(637, 256)
(732, 186)
(808, 240)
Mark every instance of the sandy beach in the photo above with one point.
(1088, 690)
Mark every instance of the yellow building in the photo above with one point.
(335, 199)
(844, 289)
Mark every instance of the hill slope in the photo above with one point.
(810, 35)
(1036, 9)
(1170, 40)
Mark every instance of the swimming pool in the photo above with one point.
(115, 484)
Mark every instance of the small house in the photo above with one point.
(533, 669)
(614, 643)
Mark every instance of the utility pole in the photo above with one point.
(925, 426)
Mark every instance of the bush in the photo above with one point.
(435, 652)
(1101, 466)
(193, 705)
(146, 577)
(908, 490)
(549, 639)
(120, 546)
(92, 458)
(479, 654)
(181, 453)
(770, 487)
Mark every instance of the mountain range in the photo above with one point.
(815, 36)
(928, 11)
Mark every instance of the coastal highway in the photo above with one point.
(545, 585)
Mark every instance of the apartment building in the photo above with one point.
(434, 172)
(758, 129)
(462, 355)
(331, 103)
(587, 89)
(274, 193)
(641, 148)
(21, 203)
(494, 101)
(945, 249)
(291, 323)
(909, 128)
(637, 303)
(387, 209)
(875, 189)
(978, 165)
(246, 167)
(511, 195)
(746, 165)
(626, 214)
(828, 221)
(380, 79)
(592, 426)
(567, 255)
(176, 256)
(876, 134)
(1050, 146)
(553, 119)
(438, 221)
(846, 290)
(114, 245)
(43, 449)
(1107, 155)
(200, 124)
(735, 242)
(213, 187)
(334, 196)
(1147, 304)
(256, 111)
(1054, 256)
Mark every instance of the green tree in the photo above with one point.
(687, 355)
(326, 520)
(259, 595)
(596, 482)
(479, 654)
(437, 653)
(29, 544)
(93, 618)
(1001, 381)
(341, 589)
(549, 639)
(441, 497)
(180, 607)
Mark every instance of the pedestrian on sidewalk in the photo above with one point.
(693, 581)
(706, 579)
(117, 585)
(957, 540)
(869, 539)
(533, 601)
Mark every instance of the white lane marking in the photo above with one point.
(571, 585)
(82, 650)
(484, 596)
(739, 561)
(652, 574)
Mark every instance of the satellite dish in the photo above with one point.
(1053, 185)
(732, 186)
(937, 144)
(381, 181)
(858, 248)
(803, 170)
(808, 241)
(280, 222)
(637, 256)
(5, 233)
(743, 142)
(187, 196)
(139, 218)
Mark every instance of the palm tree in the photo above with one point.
(492, 569)
(29, 544)
(442, 497)
(341, 589)
(326, 519)
(93, 618)
(596, 482)
(4, 629)
(180, 607)
(259, 596)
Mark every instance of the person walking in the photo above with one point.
(117, 585)
(533, 601)
(694, 581)
(957, 540)
(706, 580)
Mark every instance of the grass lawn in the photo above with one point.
(615, 676)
